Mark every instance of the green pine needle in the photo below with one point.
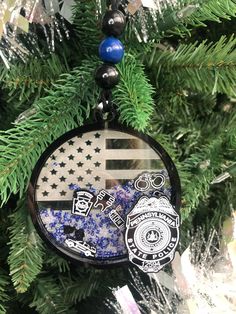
(48, 297)
(26, 250)
(27, 83)
(212, 10)
(4, 282)
(82, 287)
(53, 260)
(86, 19)
(197, 182)
(65, 107)
(133, 96)
(180, 19)
(205, 67)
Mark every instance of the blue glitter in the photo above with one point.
(99, 230)
(73, 187)
(103, 242)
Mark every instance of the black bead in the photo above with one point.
(113, 23)
(79, 234)
(68, 229)
(107, 76)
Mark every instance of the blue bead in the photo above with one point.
(111, 50)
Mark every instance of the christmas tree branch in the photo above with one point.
(204, 67)
(4, 282)
(90, 282)
(185, 118)
(66, 106)
(208, 161)
(202, 140)
(27, 82)
(230, 137)
(55, 261)
(180, 18)
(133, 96)
(86, 18)
(82, 286)
(212, 10)
(5, 288)
(201, 168)
(55, 294)
(215, 216)
(26, 250)
(48, 296)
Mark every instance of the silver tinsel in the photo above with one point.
(202, 280)
(18, 19)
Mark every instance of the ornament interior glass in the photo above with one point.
(86, 183)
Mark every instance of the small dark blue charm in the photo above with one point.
(111, 50)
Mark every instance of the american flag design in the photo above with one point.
(101, 160)
(95, 161)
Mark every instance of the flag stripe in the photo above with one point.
(98, 159)
(116, 135)
(140, 164)
(129, 143)
(123, 174)
(117, 154)
(55, 205)
(109, 184)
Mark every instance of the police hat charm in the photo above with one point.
(152, 233)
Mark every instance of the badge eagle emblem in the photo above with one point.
(152, 233)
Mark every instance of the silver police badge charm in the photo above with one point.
(152, 233)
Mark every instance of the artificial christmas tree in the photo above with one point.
(177, 84)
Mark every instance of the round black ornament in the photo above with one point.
(113, 23)
(102, 194)
(107, 76)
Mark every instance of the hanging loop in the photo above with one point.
(105, 109)
(115, 4)
(105, 101)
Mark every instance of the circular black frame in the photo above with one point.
(33, 207)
